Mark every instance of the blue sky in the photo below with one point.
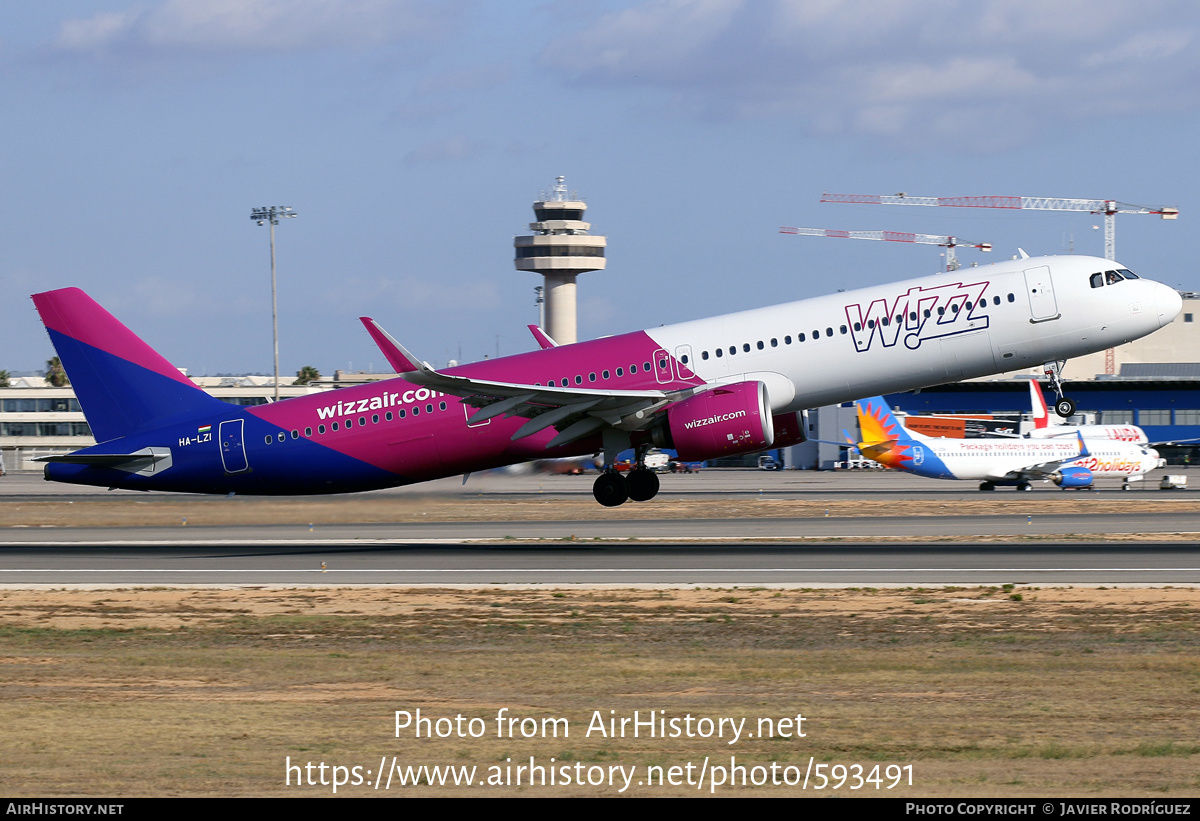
(412, 137)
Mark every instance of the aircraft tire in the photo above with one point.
(610, 489)
(1025, 486)
(1065, 407)
(986, 486)
(642, 484)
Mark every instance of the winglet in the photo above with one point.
(401, 360)
(542, 337)
(1083, 451)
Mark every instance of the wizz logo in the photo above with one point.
(918, 315)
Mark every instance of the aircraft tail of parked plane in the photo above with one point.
(1049, 426)
(1068, 461)
(727, 385)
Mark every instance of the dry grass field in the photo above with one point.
(987, 692)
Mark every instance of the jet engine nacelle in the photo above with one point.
(1072, 477)
(790, 429)
(724, 421)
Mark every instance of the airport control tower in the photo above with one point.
(560, 250)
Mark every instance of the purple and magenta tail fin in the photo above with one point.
(123, 385)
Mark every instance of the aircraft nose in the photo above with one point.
(1169, 304)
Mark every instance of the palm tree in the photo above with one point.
(4, 377)
(55, 374)
(306, 374)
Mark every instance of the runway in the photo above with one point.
(631, 546)
(855, 564)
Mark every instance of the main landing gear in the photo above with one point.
(612, 489)
(1063, 406)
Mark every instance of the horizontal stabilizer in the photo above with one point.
(146, 460)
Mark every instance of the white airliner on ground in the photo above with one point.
(1068, 461)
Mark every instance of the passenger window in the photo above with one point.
(746, 347)
(720, 353)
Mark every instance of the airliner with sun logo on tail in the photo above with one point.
(1067, 461)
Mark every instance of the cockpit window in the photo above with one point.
(1125, 272)
(1111, 276)
(1098, 280)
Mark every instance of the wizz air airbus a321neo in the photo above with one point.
(708, 388)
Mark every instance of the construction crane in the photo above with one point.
(1109, 208)
(949, 243)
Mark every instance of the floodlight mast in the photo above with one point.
(949, 243)
(271, 214)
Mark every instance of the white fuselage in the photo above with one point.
(994, 459)
(921, 332)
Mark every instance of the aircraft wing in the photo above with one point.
(574, 412)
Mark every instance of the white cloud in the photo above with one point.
(457, 147)
(907, 69)
(261, 25)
